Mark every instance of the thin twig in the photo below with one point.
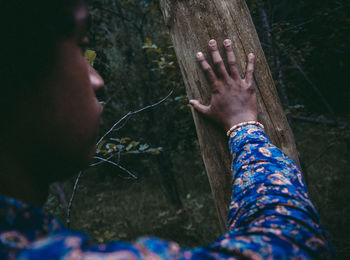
(326, 150)
(130, 113)
(319, 120)
(314, 87)
(120, 127)
(72, 198)
(271, 42)
(56, 188)
(107, 160)
(295, 26)
(116, 164)
(312, 84)
(100, 162)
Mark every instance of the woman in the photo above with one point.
(52, 116)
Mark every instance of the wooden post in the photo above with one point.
(192, 23)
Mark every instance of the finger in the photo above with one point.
(250, 68)
(218, 61)
(208, 71)
(231, 59)
(199, 107)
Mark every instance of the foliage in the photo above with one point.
(309, 37)
(125, 145)
(90, 55)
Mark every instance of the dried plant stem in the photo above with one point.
(72, 198)
(116, 164)
(130, 113)
(102, 160)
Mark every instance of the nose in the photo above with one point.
(95, 79)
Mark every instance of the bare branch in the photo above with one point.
(130, 113)
(319, 120)
(314, 87)
(275, 52)
(294, 27)
(56, 188)
(312, 84)
(72, 198)
(116, 164)
(100, 162)
(322, 153)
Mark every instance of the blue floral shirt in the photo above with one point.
(270, 216)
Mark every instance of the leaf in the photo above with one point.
(143, 147)
(128, 148)
(105, 152)
(134, 143)
(120, 147)
(298, 106)
(90, 55)
(155, 151)
(99, 147)
(133, 151)
(188, 227)
(148, 43)
(122, 235)
(111, 146)
(125, 140)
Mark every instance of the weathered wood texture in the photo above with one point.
(192, 23)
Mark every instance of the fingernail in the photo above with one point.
(212, 43)
(251, 55)
(227, 42)
(199, 55)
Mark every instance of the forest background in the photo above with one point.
(154, 182)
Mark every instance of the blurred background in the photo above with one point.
(155, 182)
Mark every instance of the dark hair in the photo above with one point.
(30, 31)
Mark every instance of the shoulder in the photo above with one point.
(21, 224)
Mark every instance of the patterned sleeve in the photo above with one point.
(270, 217)
(270, 212)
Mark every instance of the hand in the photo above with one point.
(233, 99)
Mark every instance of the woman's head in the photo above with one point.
(30, 31)
(48, 87)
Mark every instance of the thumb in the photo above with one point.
(199, 107)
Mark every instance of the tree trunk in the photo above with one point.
(192, 23)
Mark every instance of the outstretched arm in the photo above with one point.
(270, 212)
(271, 215)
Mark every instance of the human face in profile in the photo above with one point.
(53, 124)
(72, 111)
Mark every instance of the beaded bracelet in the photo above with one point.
(243, 124)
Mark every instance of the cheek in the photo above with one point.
(79, 119)
(74, 114)
(76, 127)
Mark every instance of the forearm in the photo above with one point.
(270, 215)
(270, 202)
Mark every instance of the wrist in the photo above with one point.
(239, 125)
(235, 121)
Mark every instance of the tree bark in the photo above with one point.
(192, 23)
